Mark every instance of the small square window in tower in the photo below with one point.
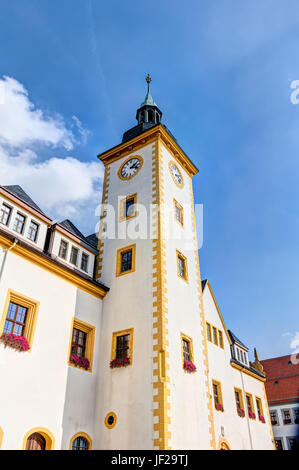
(125, 262)
(178, 213)
(182, 266)
(128, 207)
(122, 348)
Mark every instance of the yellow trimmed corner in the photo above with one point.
(81, 434)
(32, 312)
(90, 334)
(47, 435)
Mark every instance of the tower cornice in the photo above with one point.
(125, 148)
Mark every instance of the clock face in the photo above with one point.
(176, 174)
(130, 167)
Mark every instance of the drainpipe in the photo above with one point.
(15, 241)
(246, 414)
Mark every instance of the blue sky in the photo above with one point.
(221, 75)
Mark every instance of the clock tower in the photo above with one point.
(153, 388)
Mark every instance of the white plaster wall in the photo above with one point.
(281, 430)
(241, 433)
(55, 250)
(38, 388)
(189, 412)
(42, 231)
(127, 391)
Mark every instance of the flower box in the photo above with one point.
(262, 419)
(251, 415)
(241, 412)
(14, 341)
(119, 362)
(80, 361)
(219, 407)
(189, 366)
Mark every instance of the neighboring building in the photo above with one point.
(147, 365)
(282, 388)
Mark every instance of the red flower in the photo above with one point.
(189, 366)
(219, 407)
(241, 412)
(14, 341)
(262, 419)
(118, 362)
(251, 415)
(80, 361)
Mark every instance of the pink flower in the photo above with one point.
(80, 361)
(15, 341)
(189, 366)
(219, 407)
(241, 412)
(262, 419)
(117, 362)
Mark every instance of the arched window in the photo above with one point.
(81, 441)
(150, 115)
(39, 439)
(36, 442)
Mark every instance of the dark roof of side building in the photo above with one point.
(203, 284)
(16, 190)
(68, 225)
(234, 339)
(93, 240)
(282, 384)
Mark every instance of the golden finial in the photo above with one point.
(148, 79)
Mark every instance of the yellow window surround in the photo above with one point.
(215, 335)
(259, 406)
(217, 384)
(110, 420)
(47, 435)
(120, 252)
(209, 332)
(183, 258)
(181, 211)
(239, 391)
(190, 342)
(31, 317)
(122, 207)
(251, 403)
(220, 335)
(129, 332)
(90, 334)
(81, 434)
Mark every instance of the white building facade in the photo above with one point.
(127, 347)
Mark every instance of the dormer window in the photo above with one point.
(5, 214)
(32, 231)
(63, 249)
(84, 262)
(241, 355)
(19, 223)
(74, 256)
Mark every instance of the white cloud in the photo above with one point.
(63, 187)
(294, 344)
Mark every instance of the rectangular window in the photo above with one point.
(182, 267)
(5, 214)
(128, 207)
(81, 343)
(63, 249)
(178, 212)
(292, 443)
(239, 399)
(250, 407)
(274, 418)
(32, 231)
(209, 333)
(215, 337)
(125, 262)
(19, 223)
(84, 262)
(187, 348)
(259, 406)
(122, 345)
(278, 444)
(19, 316)
(286, 415)
(296, 415)
(217, 393)
(220, 339)
(74, 256)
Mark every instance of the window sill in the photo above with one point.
(79, 367)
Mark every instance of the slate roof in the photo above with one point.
(203, 284)
(285, 372)
(93, 240)
(20, 193)
(235, 339)
(68, 225)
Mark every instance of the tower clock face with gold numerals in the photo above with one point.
(130, 167)
(176, 174)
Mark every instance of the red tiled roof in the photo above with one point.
(285, 371)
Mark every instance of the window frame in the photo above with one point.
(10, 208)
(31, 317)
(283, 419)
(70, 260)
(279, 439)
(209, 328)
(277, 417)
(184, 258)
(66, 250)
(215, 335)
(259, 400)
(217, 384)
(115, 334)
(85, 436)
(87, 262)
(181, 209)
(122, 207)
(220, 339)
(24, 223)
(119, 253)
(36, 233)
(249, 395)
(89, 345)
(241, 398)
(189, 340)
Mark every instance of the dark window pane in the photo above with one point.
(130, 207)
(5, 214)
(126, 261)
(74, 255)
(80, 443)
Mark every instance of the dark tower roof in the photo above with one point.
(148, 115)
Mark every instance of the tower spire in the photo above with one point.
(148, 99)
